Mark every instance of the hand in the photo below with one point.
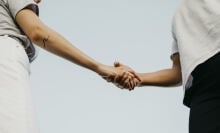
(114, 74)
(124, 79)
(37, 1)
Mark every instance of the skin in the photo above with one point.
(53, 42)
(37, 1)
(162, 78)
(124, 77)
(123, 81)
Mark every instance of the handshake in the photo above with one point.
(120, 75)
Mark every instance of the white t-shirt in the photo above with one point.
(8, 25)
(196, 33)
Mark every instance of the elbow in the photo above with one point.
(36, 34)
(174, 79)
(177, 80)
(177, 74)
(172, 83)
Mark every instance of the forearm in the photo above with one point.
(51, 41)
(163, 78)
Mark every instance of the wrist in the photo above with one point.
(98, 68)
(141, 76)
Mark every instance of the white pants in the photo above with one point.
(17, 114)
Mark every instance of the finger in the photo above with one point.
(37, 1)
(108, 78)
(131, 75)
(132, 83)
(119, 86)
(127, 84)
(130, 86)
(131, 80)
(118, 64)
(124, 78)
(135, 75)
(137, 82)
(119, 78)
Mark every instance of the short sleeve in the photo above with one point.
(174, 47)
(17, 5)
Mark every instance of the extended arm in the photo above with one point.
(166, 77)
(53, 42)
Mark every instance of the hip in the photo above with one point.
(206, 82)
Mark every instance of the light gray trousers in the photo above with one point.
(17, 114)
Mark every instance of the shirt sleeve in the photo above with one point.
(174, 48)
(17, 5)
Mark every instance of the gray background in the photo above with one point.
(71, 99)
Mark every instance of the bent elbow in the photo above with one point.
(177, 81)
(36, 34)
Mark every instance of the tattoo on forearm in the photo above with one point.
(45, 40)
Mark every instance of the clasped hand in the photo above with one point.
(120, 75)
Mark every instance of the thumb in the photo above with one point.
(117, 64)
(37, 1)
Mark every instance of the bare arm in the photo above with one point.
(53, 42)
(166, 77)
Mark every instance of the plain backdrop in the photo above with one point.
(71, 99)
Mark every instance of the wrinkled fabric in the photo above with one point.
(17, 113)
